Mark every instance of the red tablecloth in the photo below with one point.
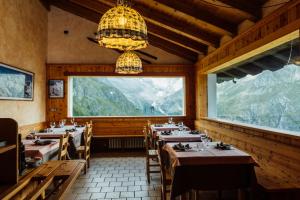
(210, 169)
(42, 151)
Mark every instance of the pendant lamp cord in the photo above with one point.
(290, 56)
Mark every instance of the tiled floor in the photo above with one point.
(116, 178)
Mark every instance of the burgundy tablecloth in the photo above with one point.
(45, 152)
(166, 127)
(75, 139)
(211, 169)
(179, 136)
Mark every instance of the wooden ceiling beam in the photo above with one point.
(209, 38)
(154, 40)
(172, 48)
(152, 28)
(250, 69)
(251, 7)
(188, 7)
(76, 10)
(168, 22)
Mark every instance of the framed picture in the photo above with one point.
(56, 88)
(15, 83)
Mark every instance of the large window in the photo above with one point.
(126, 96)
(270, 97)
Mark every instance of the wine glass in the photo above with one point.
(205, 139)
(52, 125)
(72, 120)
(170, 120)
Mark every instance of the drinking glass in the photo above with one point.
(61, 124)
(170, 120)
(72, 120)
(52, 125)
(200, 146)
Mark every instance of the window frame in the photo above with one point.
(70, 92)
(269, 46)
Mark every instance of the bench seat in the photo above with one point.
(273, 187)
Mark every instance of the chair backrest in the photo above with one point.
(162, 158)
(88, 133)
(63, 146)
(146, 138)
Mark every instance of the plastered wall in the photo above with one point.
(23, 43)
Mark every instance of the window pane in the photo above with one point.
(268, 99)
(127, 96)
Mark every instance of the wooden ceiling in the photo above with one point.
(272, 60)
(184, 28)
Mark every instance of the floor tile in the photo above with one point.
(116, 178)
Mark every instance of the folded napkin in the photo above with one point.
(166, 133)
(223, 146)
(194, 132)
(181, 147)
(71, 130)
(158, 125)
(43, 142)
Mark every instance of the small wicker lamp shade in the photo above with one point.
(122, 28)
(129, 63)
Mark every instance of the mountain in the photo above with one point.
(173, 104)
(127, 96)
(92, 97)
(268, 99)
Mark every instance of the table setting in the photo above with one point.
(189, 162)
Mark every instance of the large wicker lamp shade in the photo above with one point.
(122, 28)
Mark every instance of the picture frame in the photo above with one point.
(56, 88)
(16, 83)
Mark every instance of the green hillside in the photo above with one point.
(269, 99)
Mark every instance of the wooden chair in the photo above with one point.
(166, 180)
(84, 152)
(63, 147)
(151, 154)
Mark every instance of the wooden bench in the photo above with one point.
(273, 187)
(51, 180)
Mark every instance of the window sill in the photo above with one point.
(282, 133)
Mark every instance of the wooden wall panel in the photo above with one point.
(58, 108)
(24, 130)
(275, 152)
(281, 22)
(201, 95)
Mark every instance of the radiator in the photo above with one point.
(126, 143)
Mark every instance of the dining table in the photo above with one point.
(179, 136)
(75, 140)
(158, 137)
(166, 127)
(205, 167)
(44, 152)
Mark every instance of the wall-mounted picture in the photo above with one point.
(15, 83)
(56, 88)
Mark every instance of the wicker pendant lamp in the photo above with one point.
(121, 27)
(129, 63)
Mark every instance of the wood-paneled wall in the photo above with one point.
(24, 130)
(58, 108)
(275, 152)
